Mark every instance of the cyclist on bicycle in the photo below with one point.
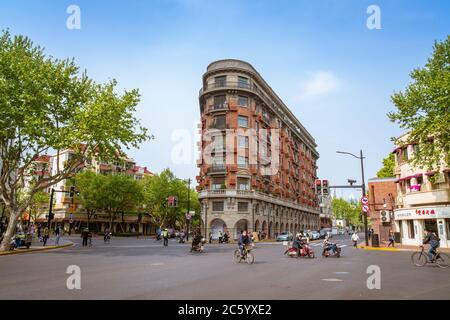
(433, 240)
(244, 239)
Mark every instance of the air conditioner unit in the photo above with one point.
(385, 216)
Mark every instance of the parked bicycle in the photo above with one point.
(420, 258)
(246, 254)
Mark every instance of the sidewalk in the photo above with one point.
(398, 247)
(37, 246)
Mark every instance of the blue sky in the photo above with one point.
(334, 73)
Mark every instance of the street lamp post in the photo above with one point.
(363, 186)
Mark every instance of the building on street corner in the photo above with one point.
(258, 163)
(382, 195)
(423, 202)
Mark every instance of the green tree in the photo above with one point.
(388, 167)
(39, 201)
(90, 187)
(120, 194)
(46, 105)
(345, 210)
(423, 109)
(157, 189)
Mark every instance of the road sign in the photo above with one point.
(365, 208)
(364, 200)
(188, 216)
(72, 208)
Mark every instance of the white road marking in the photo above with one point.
(157, 264)
(342, 246)
(332, 280)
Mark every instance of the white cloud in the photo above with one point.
(319, 83)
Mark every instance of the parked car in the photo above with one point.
(324, 232)
(314, 235)
(341, 231)
(285, 236)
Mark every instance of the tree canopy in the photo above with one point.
(345, 210)
(387, 170)
(48, 105)
(423, 109)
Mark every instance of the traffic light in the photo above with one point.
(325, 189)
(318, 186)
(172, 201)
(72, 191)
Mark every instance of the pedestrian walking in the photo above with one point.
(57, 234)
(85, 237)
(355, 239)
(165, 235)
(220, 237)
(45, 236)
(158, 233)
(391, 239)
(210, 236)
(39, 232)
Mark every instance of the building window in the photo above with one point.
(243, 142)
(243, 101)
(219, 161)
(411, 233)
(217, 205)
(218, 183)
(220, 122)
(243, 82)
(219, 100)
(220, 81)
(243, 122)
(404, 154)
(243, 184)
(242, 206)
(242, 162)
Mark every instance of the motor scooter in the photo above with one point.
(305, 251)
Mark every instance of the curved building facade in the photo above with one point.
(258, 163)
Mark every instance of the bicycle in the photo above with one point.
(420, 258)
(246, 254)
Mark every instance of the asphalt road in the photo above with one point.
(144, 269)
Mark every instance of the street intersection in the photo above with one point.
(130, 268)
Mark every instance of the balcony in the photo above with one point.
(217, 168)
(218, 107)
(415, 198)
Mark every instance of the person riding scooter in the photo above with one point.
(298, 243)
(196, 241)
(327, 246)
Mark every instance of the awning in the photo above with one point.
(417, 175)
(430, 173)
(396, 149)
(446, 170)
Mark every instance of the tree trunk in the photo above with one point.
(13, 217)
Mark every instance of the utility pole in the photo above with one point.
(364, 194)
(50, 214)
(188, 222)
(363, 187)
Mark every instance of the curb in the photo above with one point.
(5, 253)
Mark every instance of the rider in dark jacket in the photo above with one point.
(433, 240)
(244, 239)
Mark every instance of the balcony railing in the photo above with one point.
(217, 168)
(218, 107)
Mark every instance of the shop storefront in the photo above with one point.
(412, 223)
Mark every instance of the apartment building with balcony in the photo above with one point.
(422, 202)
(47, 165)
(258, 163)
